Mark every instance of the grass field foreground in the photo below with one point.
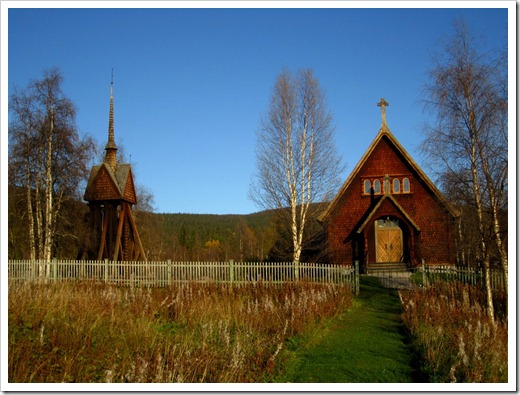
(85, 332)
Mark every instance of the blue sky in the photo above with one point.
(190, 85)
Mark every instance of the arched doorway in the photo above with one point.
(388, 240)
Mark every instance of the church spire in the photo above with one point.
(111, 148)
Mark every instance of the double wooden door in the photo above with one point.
(389, 244)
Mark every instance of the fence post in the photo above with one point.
(169, 272)
(424, 279)
(54, 269)
(106, 270)
(356, 275)
(231, 271)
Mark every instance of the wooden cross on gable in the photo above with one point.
(383, 104)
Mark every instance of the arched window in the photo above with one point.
(366, 187)
(397, 185)
(377, 186)
(406, 185)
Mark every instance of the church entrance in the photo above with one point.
(388, 240)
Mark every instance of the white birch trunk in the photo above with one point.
(478, 202)
(30, 214)
(39, 218)
(47, 253)
(494, 203)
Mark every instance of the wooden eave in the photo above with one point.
(126, 182)
(397, 206)
(385, 132)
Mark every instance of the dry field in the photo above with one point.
(454, 335)
(86, 332)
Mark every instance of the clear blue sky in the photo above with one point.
(190, 85)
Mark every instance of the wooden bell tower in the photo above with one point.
(110, 193)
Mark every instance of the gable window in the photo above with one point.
(396, 185)
(406, 185)
(377, 186)
(366, 187)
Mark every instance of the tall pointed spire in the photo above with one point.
(111, 148)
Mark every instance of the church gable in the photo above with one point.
(385, 167)
(385, 159)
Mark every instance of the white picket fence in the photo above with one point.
(466, 275)
(410, 277)
(165, 273)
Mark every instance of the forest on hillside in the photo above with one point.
(207, 237)
(180, 237)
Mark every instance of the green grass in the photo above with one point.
(367, 344)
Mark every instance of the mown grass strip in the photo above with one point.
(367, 344)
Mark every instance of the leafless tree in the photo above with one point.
(297, 162)
(46, 156)
(468, 94)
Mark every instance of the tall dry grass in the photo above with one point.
(84, 332)
(453, 334)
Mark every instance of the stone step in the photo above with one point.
(380, 267)
(384, 265)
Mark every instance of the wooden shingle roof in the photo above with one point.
(105, 184)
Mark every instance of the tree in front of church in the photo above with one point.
(467, 93)
(296, 158)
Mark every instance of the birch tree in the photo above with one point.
(468, 94)
(46, 156)
(297, 162)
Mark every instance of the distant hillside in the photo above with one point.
(206, 236)
(256, 236)
(214, 226)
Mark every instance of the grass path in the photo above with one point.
(368, 344)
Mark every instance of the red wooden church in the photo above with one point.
(112, 232)
(388, 211)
